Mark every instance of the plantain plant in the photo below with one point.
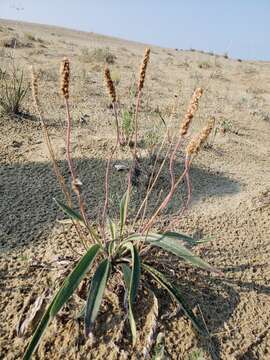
(118, 246)
(125, 253)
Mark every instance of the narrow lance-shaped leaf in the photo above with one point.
(188, 239)
(175, 293)
(123, 211)
(113, 231)
(70, 212)
(61, 297)
(136, 270)
(112, 227)
(181, 237)
(174, 245)
(95, 294)
(132, 279)
(178, 236)
(77, 218)
(127, 277)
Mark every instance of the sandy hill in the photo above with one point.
(230, 177)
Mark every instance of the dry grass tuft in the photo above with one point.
(13, 90)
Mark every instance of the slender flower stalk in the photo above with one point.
(35, 93)
(189, 115)
(60, 178)
(112, 93)
(192, 150)
(106, 182)
(165, 202)
(64, 88)
(152, 181)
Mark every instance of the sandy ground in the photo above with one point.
(231, 194)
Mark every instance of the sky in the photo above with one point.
(239, 27)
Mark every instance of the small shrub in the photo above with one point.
(9, 42)
(33, 38)
(13, 90)
(14, 42)
(30, 37)
(100, 55)
(204, 65)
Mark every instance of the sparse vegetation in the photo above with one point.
(30, 37)
(33, 38)
(99, 55)
(13, 42)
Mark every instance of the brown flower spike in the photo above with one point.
(143, 68)
(64, 76)
(110, 84)
(192, 108)
(196, 143)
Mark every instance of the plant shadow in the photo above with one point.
(27, 190)
(214, 300)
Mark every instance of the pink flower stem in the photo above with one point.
(107, 174)
(70, 163)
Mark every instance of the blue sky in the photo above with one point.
(239, 27)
